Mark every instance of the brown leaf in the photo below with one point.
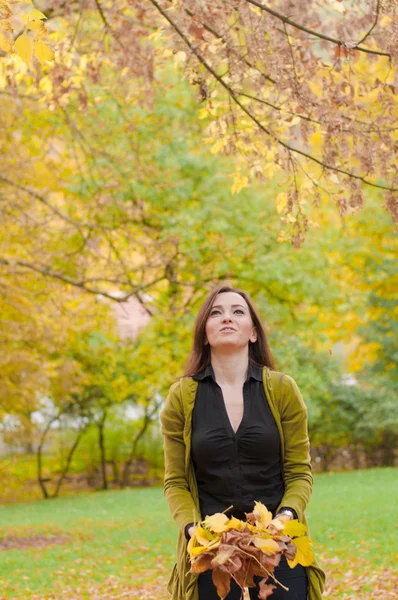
(222, 581)
(196, 31)
(266, 589)
(223, 555)
(202, 563)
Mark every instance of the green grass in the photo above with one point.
(129, 534)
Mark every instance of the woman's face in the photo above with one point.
(230, 324)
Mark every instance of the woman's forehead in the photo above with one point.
(227, 299)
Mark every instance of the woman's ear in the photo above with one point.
(253, 337)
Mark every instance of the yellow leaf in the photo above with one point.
(36, 14)
(180, 57)
(235, 523)
(239, 183)
(304, 555)
(294, 528)
(5, 43)
(202, 541)
(195, 550)
(43, 52)
(5, 25)
(262, 514)
(24, 48)
(204, 536)
(216, 522)
(281, 202)
(268, 546)
(217, 146)
(35, 25)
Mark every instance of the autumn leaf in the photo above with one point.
(304, 555)
(294, 528)
(36, 14)
(43, 52)
(235, 523)
(204, 536)
(268, 546)
(262, 515)
(35, 25)
(24, 48)
(5, 43)
(216, 522)
(5, 25)
(240, 182)
(266, 589)
(223, 555)
(222, 581)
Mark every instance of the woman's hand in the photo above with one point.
(283, 517)
(191, 531)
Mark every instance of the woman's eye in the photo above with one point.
(240, 311)
(214, 312)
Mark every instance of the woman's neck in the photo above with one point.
(230, 368)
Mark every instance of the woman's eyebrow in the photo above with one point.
(232, 305)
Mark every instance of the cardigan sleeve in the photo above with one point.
(297, 460)
(176, 489)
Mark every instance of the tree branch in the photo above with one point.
(374, 24)
(41, 199)
(82, 284)
(233, 95)
(321, 36)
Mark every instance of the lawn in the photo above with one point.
(120, 544)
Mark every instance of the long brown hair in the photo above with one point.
(199, 358)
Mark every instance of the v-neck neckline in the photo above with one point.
(234, 433)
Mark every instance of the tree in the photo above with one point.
(306, 90)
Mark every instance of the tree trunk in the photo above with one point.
(40, 478)
(68, 461)
(115, 470)
(147, 420)
(101, 442)
(388, 447)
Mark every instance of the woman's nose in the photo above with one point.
(227, 318)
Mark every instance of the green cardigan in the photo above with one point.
(180, 487)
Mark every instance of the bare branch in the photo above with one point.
(374, 24)
(82, 284)
(322, 36)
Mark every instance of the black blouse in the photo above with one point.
(235, 468)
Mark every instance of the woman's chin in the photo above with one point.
(229, 344)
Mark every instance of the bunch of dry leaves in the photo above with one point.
(241, 550)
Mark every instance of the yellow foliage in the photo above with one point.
(36, 14)
(262, 515)
(235, 523)
(266, 545)
(5, 43)
(216, 522)
(35, 25)
(304, 555)
(294, 528)
(240, 182)
(24, 48)
(43, 52)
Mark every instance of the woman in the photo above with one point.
(235, 431)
